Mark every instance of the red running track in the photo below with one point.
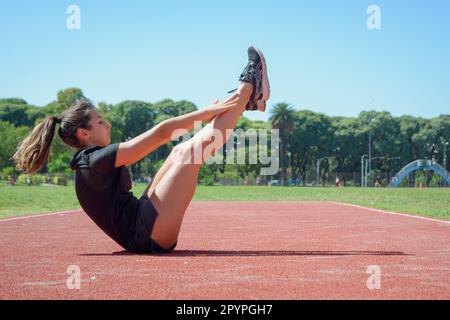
(234, 250)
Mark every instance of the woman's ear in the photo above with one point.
(81, 134)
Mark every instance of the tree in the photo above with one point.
(10, 136)
(132, 118)
(104, 108)
(308, 141)
(282, 118)
(68, 97)
(170, 108)
(65, 99)
(348, 144)
(15, 114)
(431, 138)
(384, 132)
(409, 148)
(60, 163)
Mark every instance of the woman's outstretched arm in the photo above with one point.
(137, 148)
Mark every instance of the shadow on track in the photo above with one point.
(250, 253)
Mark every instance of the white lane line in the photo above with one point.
(41, 215)
(52, 283)
(391, 212)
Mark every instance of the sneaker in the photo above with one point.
(256, 73)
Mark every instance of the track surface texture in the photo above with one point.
(234, 250)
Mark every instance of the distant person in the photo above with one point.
(338, 182)
(377, 182)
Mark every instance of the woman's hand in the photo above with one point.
(218, 107)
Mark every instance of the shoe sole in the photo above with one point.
(261, 104)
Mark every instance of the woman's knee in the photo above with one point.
(182, 154)
(177, 153)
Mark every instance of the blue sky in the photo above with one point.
(320, 54)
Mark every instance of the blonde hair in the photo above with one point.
(32, 153)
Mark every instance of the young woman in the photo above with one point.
(150, 224)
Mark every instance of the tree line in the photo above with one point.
(305, 136)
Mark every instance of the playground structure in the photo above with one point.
(428, 165)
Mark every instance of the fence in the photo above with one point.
(346, 179)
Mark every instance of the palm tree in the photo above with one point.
(282, 118)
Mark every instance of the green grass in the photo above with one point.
(426, 202)
(24, 200)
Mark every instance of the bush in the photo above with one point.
(7, 172)
(60, 163)
(228, 175)
(37, 179)
(207, 181)
(23, 178)
(419, 178)
(60, 180)
(436, 180)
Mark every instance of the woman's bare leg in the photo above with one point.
(174, 191)
(169, 161)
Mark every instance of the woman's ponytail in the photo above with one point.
(33, 151)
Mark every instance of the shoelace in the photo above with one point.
(250, 69)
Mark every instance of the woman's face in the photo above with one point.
(99, 134)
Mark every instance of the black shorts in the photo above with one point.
(140, 237)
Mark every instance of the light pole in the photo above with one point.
(445, 159)
(445, 154)
(370, 156)
(363, 170)
(366, 172)
(287, 167)
(432, 149)
(318, 169)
